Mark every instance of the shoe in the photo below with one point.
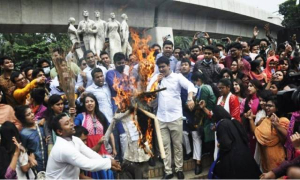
(198, 169)
(168, 176)
(187, 156)
(151, 162)
(180, 175)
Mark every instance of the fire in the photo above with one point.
(149, 133)
(128, 88)
(123, 97)
(145, 57)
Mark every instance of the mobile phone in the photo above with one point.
(272, 71)
(200, 34)
(107, 40)
(224, 40)
(168, 36)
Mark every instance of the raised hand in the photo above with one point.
(295, 138)
(206, 35)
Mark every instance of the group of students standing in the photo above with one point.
(223, 98)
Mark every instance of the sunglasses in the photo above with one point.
(83, 64)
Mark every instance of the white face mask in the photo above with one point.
(46, 70)
(262, 68)
(221, 53)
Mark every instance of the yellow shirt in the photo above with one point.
(20, 95)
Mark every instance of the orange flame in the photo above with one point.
(145, 57)
(122, 99)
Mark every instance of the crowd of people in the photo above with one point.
(220, 101)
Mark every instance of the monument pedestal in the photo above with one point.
(157, 34)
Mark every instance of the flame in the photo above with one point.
(128, 87)
(123, 97)
(145, 57)
(149, 133)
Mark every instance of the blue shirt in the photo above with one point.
(173, 63)
(31, 141)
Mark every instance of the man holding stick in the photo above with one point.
(70, 154)
(169, 116)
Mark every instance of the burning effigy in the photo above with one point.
(133, 102)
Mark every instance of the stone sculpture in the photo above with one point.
(126, 48)
(86, 27)
(113, 33)
(100, 31)
(72, 32)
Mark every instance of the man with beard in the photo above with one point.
(70, 154)
(118, 72)
(7, 65)
(156, 48)
(176, 52)
(209, 66)
(263, 46)
(236, 54)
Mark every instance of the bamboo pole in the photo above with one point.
(158, 133)
(115, 119)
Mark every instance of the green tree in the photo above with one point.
(291, 13)
(31, 47)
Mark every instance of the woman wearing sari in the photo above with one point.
(271, 134)
(96, 124)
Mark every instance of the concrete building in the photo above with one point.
(220, 18)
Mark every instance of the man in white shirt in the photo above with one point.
(169, 112)
(102, 92)
(91, 62)
(70, 154)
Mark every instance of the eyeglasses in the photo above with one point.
(83, 64)
(19, 80)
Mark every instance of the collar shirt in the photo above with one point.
(68, 157)
(103, 96)
(54, 87)
(169, 100)
(173, 63)
(88, 70)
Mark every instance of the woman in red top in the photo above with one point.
(229, 101)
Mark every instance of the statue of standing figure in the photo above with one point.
(72, 32)
(113, 33)
(100, 26)
(126, 48)
(86, 27)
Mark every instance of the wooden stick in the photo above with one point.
(158, 133)
(152, 92)
(115, 119)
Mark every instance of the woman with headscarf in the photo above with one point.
(270, 67)
(235, 160)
